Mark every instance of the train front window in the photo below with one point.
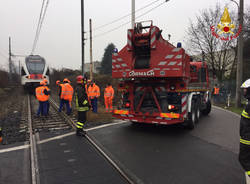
(36, 67)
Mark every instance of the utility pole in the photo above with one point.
(82, 34)
(239, 57)
(90, 47)
(10, 61)
(19, 67)
(133, 14)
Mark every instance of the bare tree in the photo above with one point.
(220, 54)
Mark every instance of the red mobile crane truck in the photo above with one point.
(159, 82)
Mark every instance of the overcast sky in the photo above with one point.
(60, 38)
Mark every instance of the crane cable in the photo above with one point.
(39, 25)
(111, 30)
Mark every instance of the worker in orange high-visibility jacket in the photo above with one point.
(93, 94)
(59, 85)
(66, 95)
(42, 95)
(108, 97)
(47, 88)
(87, 84)
(216, 91)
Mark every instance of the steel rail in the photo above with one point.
(33, 151)
(98, 148)
(63, 114)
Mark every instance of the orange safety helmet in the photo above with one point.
(45, 81)
(66, 80)
(57, 82)
(42, 83)
(79, 79)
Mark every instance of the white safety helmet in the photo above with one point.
(246, 87)
(246, 84)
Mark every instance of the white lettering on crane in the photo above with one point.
(137, 74)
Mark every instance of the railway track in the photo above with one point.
(54, 122)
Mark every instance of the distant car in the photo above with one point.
(33, 71)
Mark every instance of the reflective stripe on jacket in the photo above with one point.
(40, 94)
(245, 114)
(109, 92)
(67, 92)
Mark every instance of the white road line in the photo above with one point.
(14, 148)
(226, 111)
(55, 138)
(72, 133)
(103, 126)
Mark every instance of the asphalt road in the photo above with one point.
(149, 154)
(173, 155)
(73, 160)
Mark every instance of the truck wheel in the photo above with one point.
(208, 108)
(192, 118)
(198, 112)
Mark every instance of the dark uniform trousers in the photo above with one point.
(81, 119)
(244, 155)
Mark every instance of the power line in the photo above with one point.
(40, 22)
(118, 19)
(38, 25)
(45, 10)
(111, 30)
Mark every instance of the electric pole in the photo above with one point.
(133, 14)
(10, 61)
(239, 57)
(82, 34)
(90, 47)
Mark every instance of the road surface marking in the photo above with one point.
(14, 148)
(55, 138)
(107, 125)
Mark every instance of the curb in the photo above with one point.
(227, 111)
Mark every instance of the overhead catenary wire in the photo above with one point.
(40, 22)
(45, 10)
(111, 30)
(38, 25)
(127, 15)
